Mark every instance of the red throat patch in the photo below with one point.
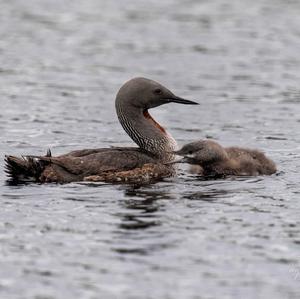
(149, 117)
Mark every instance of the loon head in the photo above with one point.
(145, 94)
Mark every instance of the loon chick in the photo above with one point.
(133, 100)
(217, 161)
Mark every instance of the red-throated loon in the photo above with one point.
(217, 161)
(124, 164)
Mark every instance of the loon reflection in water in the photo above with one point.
(214, 160)
(121, 164)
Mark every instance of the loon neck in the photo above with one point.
(146, 132)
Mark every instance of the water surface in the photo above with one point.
(62, 63)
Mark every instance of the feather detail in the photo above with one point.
(25, 168)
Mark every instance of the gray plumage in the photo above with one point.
(215, 160)
(133, 100)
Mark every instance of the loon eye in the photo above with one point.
(190, 152)
(157, 91)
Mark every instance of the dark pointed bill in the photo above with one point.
(182, 101)
(179, 152)
(180, 160)
(173, 162)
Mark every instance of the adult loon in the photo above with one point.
(119, 164)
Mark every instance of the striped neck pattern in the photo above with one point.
(146, 132)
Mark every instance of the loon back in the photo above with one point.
(76, 165)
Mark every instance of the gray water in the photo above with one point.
(62, 63)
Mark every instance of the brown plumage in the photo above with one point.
(141, 175)
(215, 160)
(78, 165)
(133, 100)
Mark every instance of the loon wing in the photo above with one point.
(75, 165)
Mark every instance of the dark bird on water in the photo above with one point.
(217, 161)
(120, 164)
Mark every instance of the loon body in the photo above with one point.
(155, 145)
(217, 161)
